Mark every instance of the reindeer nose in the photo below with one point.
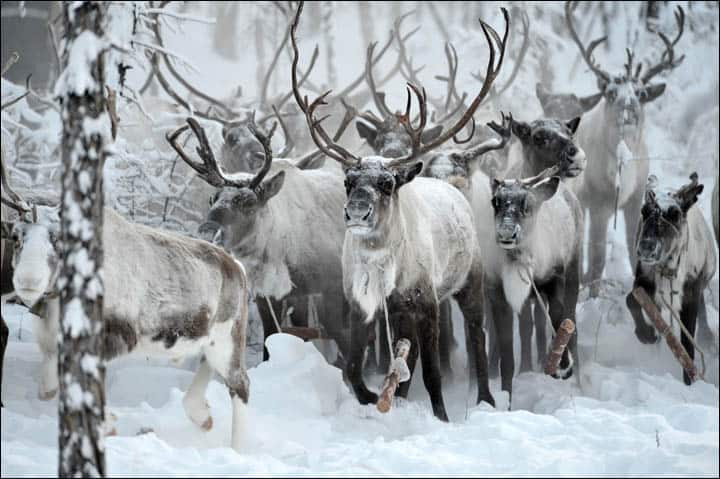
(648, 249)
(357, 212)
(571, 150)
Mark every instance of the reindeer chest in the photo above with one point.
(268, 277)
(372, 280)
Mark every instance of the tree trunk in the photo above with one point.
(366, 22)
(329, 40)
(81, 402)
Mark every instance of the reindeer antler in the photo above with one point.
(9, 196)
(586, 53)
(209, 170)
(317, 132)
(491, 74)
(667, 61)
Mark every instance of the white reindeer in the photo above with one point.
(410, 243)
(613, 136)
(676, 259)
(165, 295)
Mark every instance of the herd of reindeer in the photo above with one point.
(495, 222)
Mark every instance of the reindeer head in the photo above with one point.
(241, 151)
(233, 218)
(516, 203)
(36, 249)
(565, 105)
(372, 183)
(550, 142)
(626, 94)
(664, 221)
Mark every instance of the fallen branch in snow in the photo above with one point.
(396, 376)
(562, 337)
(11, 61)
(664, 329)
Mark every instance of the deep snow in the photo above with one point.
(631, 415)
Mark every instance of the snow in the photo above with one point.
(83, 53)
(633, 415)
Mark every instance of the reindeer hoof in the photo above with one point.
(647, 335)
(47, 395)
(208, 424)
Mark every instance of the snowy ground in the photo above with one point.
(632, 415)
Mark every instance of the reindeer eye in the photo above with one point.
(673, 214)
(386, 185)
(541, 140)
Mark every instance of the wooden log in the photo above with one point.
(306, 334)
(664, 329)
(392, 380)
(562, 337)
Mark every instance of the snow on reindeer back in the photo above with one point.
(296, 379)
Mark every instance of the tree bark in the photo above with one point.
(81, 401)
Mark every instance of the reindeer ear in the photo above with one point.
(587, 103)
(546, 188)
(573, 124)
(521, 130)
(688, 194)
(651, 92)
(366, 132)
(311, 162)
(270, 187)
(650, 186)
(405, 174)
(430, 134)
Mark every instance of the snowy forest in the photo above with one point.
(360, 238)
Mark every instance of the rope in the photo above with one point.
(539, 297)
(272, 313)
(673, 314)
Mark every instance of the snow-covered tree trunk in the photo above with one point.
(85, 125)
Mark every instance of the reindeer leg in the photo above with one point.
(526, 329)
(705, 336)
(225, 353)
(692, 294)
(194, 402)
(406, 328)
(596, 244)
(4, 333)
(267, 319)
(358, 344)
(502, 316)
(555, 292)
(494, 351)
(631, 212)
(471, 301)
(572, 290)
(428, 331)
(541, 344)
(644, 331)
(447, 339)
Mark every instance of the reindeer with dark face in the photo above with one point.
(676, 259)
(164, 295)
(410, 243)
(538, 239)
(613, 137)
(565, 105)
(287, 229)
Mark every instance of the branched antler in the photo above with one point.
(668, 61)
(586, 53)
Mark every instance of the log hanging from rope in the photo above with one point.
(664, 329)
(397, 375)
(562, 337)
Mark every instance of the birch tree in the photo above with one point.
(85, 130)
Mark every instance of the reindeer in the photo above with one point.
(676, 259)
(538, 232)
(287, 229)
(165, 295)
(410, 244)
(613, 135)
(565, 105)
